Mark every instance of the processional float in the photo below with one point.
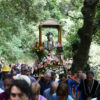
(50, 61)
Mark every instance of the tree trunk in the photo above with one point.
(85, 33)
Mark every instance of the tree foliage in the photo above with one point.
(19, 20)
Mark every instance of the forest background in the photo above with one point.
(19, 21)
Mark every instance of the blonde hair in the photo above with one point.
(35, 88)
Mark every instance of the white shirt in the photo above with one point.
(1, 90)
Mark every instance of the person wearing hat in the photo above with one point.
(5, 68)
(27, 71)
(15, 68)
(5, 71)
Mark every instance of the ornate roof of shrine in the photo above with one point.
(50, 22)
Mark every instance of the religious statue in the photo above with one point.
(50, 44)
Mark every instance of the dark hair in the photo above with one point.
(23, 86)
(63, 88)
(62, 75)
(53, 73)
(69, 70)
(90, 72)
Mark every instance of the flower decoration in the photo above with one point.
(49, 61)
(38, 47)
(40, 66)
(52, 62)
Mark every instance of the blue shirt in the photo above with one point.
(54, 97)
(32, 79)
(1, 80)
(47, 94)
(76, 87)
(70, 84)
(1, 84)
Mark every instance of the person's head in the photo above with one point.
(90, 76)
(7, 83)
(62, 91)
(53, 87)
(35, 86)
(53, 76)
(62, 77)
(13, 72)
(47, 76)
(79, 73)
(83, 76)
(20, 90)
(15, 66)
(69, 72)
(27, 71)
(5, 69)
(22, 69)
(22, 77)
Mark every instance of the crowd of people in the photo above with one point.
(18, 83)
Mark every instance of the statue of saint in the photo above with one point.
(50, 44)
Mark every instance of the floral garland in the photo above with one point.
(52, 61)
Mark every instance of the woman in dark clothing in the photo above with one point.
(89, 87)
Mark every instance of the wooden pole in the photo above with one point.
(60, 41)
(40, 34)
(59, 34)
